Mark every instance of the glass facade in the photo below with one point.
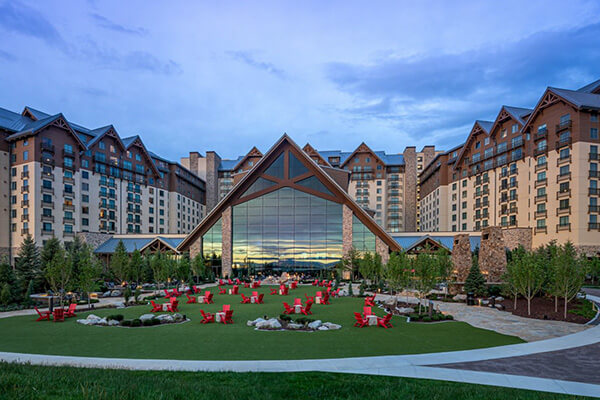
(212, 245)
(286, 229)
(363, 239)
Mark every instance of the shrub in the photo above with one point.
(148, 322)
(435, 317)
(415, 317)
(155, 321)
(136, 322)
(304, 320)
(285, 317)
(426, 319)
(116, 317)
(449, 317)
(494, 290)
(126, 322)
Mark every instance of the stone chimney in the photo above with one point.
(212, 179)
(410, 189)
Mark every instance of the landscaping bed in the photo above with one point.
(543, 308)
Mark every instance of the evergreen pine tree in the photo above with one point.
(350, 292)
(119, 263)
(51, 246)
(27, 265)
(475, 281)
(6, 294)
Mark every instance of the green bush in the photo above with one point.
(304, 320)
(449, 317)
(148, 322)
(414, 317)
(136, 322)
(285, 317)
(435, 317)
(126, 322)
(116, 317)
(494, 290)
(155, 321)
(426, 319)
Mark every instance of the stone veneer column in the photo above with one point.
(196, 247)
(346, 229)
(461, 256)
(226, 242)
(492, 254)
(382, 249)
(212, 180)
(513, 237)
(410, 189)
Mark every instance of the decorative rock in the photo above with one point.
(499, 306)
(485, 302)
(101, 322)
(272, 323)
(293, 326)
(115, 293)
(120, 305)
(86, 321)
(390, 301)
(315, 324)
(106, 294)
(492, 253)
(178, 317)
(256, 321)
(460, 297)
(165, 319)
(461, 256)
(405, 310)
(113, 322)
(499, 298)
(92, 316)
(323, 328)
(331, 326)
(146, 316)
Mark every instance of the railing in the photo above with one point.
(24, 174)
(47, 147)
(563, 160)
(541, 229)
(24, 231)
(68, 233)
(564, 125)
(25, 189)
(593, 157)
(540, 150)
(563, 211)
(46, 189)
(594, 191)
(593, 226)
(539, 214)
(68, 153)
(69, 207)
(49, 204)
(563, 193)
(593, 208)
(563, 227)
(69, 167)
(542, 133)
(542, 197)
(563, 142)
(541, 182)
(563, 177)
(49, 232)
(68, 179)
(24, 203)
(24, 217)
(48, 161)
(594, 173)
(47, 218)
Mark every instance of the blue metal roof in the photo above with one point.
(34, 126)
(589, 88)
(228, 165)
(518, 112)
(485, 125)
(580, 99)
(448, 241)
(12, 121)
(129, 140)
(131, 244)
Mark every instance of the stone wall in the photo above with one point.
(94, 239)
(492, 253)
(461, 256)
(588, 250)
(196, 247)
(382, 249)
(410, 189)
(226, 261)
(346, 229)
(212, 180)
(513, 237)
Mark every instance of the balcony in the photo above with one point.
(593, 191)
(542, 197)
(48, 176)
(24, 217)
(134, 190)
(541, 182)
(47, 232)
(540, 150)
(563, 177)
(563, 227)
(24, 231)
(593, 174)
(68, 193)
(68, 207)
(593, 208)
(47, 218)
(540, 214)
(563, 194)
(68, 179)
(541, 134)
(563, 211)
(47, 147)
(48, 161)
(48, 190)
(25, 189)
(24, 203)
(563, 143)
(68, 220)
(564, 125)
(593, 157)
(68, 233)
(47, 204)
(70, 167)
(593, 226)
(541, 229)
(68, 153)
(24, 174)
(563, 160)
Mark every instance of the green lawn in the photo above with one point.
(196, 341)
(33, 382)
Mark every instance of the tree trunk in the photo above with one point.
(566, 305)
(556, 303)
(528, 305)
(516, 294)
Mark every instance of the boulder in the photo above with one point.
(178, 317)
(115, 293)
(405, 310)
(165, 319)
(272, 323)
(294, 326)
(323, 328)
(331, 326)
(391, 301)
(315, 324)
(460, 297)
(146, 317)
(101, 322)
(256, 321)
(485, 302)
(499, 298)
(113, 322)
(120, 305)
(94, 317)
(86, 321)
(106, 294)
(499, 306)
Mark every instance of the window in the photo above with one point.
(541, 160)
(564, 153)
(564, 119)
(593, 133)
(85, 175)
(477, 145)
(541, 223)
(503, 133)
(486, 141)
(514, 128)
(564, 220)
(25, 155)
(138, 157)
(564, 170)
(101, 145)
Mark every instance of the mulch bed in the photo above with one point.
(543, 308)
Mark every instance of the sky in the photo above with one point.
(225, 76)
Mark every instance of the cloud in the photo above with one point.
(19, 18)
(7, 56)
(246, 57)
(443, 91)
(106, 23)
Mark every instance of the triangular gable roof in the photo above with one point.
(254, 152)
(160, 240)
(308, 149)
(315, 170)
(362, 148)
(478, 128)
(137, 140)
(517, 114)
(57, 120)
(593, 87)
(99, 133)
(34, 114)
(426, 240)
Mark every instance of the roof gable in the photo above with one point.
(479, 127)
(506, 113)
(137, 141)
(303, 182)
(362, 148)
(57, 120)
(308, 149)
(550, 97)
(254, 152)
(109, 131)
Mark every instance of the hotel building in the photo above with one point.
(533, 168)
(59, 178)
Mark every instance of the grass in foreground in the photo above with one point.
(34, 382)
(195, 341)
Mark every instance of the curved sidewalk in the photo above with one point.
(410, 366)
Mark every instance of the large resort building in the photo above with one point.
(535, 168)
(60, 178)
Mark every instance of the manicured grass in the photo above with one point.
(33, 382)
(193, 340)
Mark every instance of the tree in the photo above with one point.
(349, 264)
(370, 267)
(593, 266)
(183, 267)
(136, 264)
(475, 282)
(198, 266)
(156, 265)
(119, 263)
(27, 266)
(50, 248)
(74, 250)
(59, 273)
(6, 294)
(89, 271)
(395, 272)
(569, 274)
(529, 275)
(426, 275)
(444, 262)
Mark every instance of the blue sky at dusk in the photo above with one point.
(227, 75)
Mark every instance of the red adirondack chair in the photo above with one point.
(293, 285)
(221, 283)
(370, 301)
(155, 307)
(207, 317)
(70, 312)
(336, 293)
(43, 315)
(306, 310)
(260, 298)
(315, 282)
(235, 289)
(176, 292)
(172, 306)
(360, 321)
(222, 290)
(285, 291)
(273, 291)
(288, 309)
(228, 317)
(255, 285)
(191, 299)
(229, 282)
(196, 289)
(226, 307)
(167, 294)
(245, 300)
(309, 298)
(325, 299)
(208, 298)
(246, 285)
(58, 314)
(237, 281)
(385, 321)
(366, 311)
